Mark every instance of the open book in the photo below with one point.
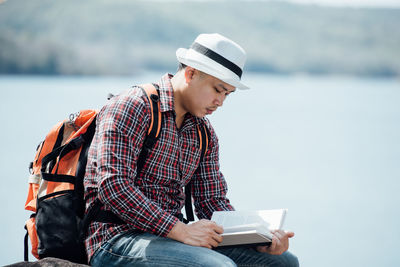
(248, 227)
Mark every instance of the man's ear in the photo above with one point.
(189, 73)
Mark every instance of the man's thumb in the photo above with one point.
(290, 234)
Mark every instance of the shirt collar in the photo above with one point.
(166, 93)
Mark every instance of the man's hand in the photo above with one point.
(280, 243)
(203, 233)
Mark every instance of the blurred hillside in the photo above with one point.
(126, 37)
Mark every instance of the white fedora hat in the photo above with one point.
(217, 56)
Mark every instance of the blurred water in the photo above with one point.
(326, 148)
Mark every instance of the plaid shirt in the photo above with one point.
(149, 201)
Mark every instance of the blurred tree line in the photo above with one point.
(122, 37)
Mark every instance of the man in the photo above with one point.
(150, 201)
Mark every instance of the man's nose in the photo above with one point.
(220, 99)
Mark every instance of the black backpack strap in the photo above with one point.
(153, 132)
(26, 248)
(96, 214)
(202, 134)
(203, 137)
(61, 151)
(81, 167)
(188, 203)
(26, 241)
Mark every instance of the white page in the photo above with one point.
(271, 219)
(248, 227)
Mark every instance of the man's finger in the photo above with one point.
(218, 228)
(213, 243)
(279, 240)
(282, 233)
(217, 238)
(279, 234)
(273, 243)
(290, 234)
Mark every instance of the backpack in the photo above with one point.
(58, 224)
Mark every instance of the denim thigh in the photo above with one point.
(248, 256)
(144, 249)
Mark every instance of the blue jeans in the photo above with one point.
(144, 249)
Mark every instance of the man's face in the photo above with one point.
(205, 94)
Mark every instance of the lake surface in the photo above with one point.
(326, 148)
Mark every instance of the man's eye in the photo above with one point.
(218, 91)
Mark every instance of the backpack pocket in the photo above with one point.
(58, 227)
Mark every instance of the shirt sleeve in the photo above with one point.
(122, 126)
(208, 184)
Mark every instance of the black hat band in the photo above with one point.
(217, 58)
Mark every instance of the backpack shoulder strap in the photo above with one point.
(202, 133)
(153, 132)
(203, 136)
(152, 94)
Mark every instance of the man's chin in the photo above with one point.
(200, 115)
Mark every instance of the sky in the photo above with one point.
(355, 3)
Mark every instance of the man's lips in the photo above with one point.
(210, 110)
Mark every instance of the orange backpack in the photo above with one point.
(56, 189)
(57, 226)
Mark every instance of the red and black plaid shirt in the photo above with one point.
(149, 200)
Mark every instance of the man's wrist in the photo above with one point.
(178, 232)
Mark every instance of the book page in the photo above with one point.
(270, 219)
(248, 227)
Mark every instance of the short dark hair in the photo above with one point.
(181, 66)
